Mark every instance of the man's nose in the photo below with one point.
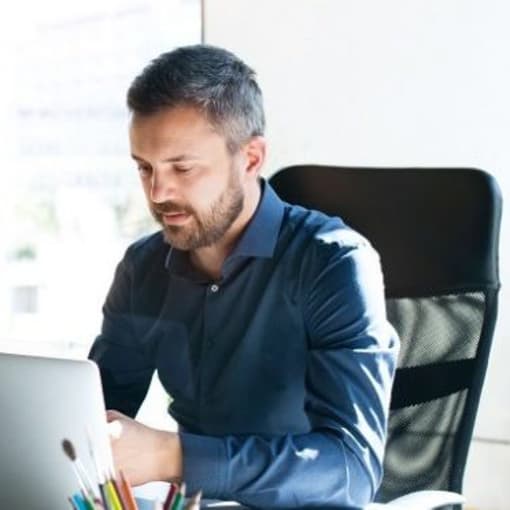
(163, 186)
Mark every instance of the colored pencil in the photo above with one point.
(179, 498)
(79, 502)
(128, 500)
(113, 497)
(73, 504)
(170, 496)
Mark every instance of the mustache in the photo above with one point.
(170, 207)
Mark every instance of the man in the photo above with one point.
(266, 322)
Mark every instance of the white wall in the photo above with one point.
(399, 82)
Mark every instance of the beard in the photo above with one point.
(203, 228)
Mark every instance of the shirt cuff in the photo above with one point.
(204, 464)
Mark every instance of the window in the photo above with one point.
(70, 201)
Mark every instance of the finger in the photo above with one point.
(112, 414)
(114, 429)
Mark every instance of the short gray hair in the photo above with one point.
(211, 79)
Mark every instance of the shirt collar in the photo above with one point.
(261, 234)
(258, 239)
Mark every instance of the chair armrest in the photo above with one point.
(420, 500)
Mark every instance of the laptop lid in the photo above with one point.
(42, 402)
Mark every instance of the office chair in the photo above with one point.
(437, 232)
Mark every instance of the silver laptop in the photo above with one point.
(42, 402)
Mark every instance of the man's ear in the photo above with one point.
(255, 155)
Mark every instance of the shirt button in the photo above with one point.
(214, 288)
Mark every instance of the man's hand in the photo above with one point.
(142, 453)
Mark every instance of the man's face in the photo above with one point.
(192, 184)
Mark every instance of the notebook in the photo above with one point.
(42, 402)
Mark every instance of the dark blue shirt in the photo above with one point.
(280, 372)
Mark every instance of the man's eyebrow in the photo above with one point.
(174, 159)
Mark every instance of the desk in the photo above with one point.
(148, 493)
(147, 504)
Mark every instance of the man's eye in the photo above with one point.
(144, 171)
(183, 169)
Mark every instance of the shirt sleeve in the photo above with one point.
(350, 368)
(126, 371)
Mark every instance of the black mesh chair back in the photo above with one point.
(436, 231)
